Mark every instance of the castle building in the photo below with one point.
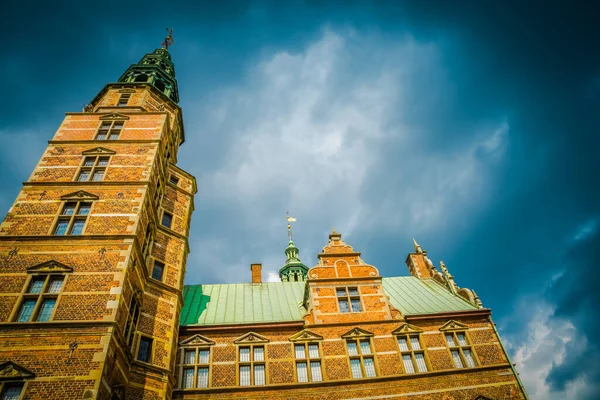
(93, 303)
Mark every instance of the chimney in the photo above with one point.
(256, 273)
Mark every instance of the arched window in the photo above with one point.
(141, 78)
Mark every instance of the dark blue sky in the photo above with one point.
(472, 126)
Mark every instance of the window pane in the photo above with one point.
(203, 377)
(36, 285)
(77, 227)
(98, 175)
(365, 347)
(118, 125)
(244, 375)
(103, 161)
(46, 310)
(352, 350)
(84, 209)
(355, 305)
(189, 357)
(84, 176)
(204, 356)
(343, 306)
(174, 180)
(355, 368)
(55, 285)
(302, 372)
(105, 125)
(244, 354)
(469, 358)
(167, 219)
(259, 354)
(12, 391)
(188, 378)
(300, 353)
(421, 364)
(403, 344)
(26, 311)
(101, 136)
(69, 209)
(353, 291)
(145, 349)
(313, 350)
(408, 365)
(369, 367)
(462, 339)
(315, 370)
(61, 227)
(259, 374)
(456, 358)
(89, 161)
(414, 343)
(341, 292)
(157, 270)
(113, 136)
(450, 340)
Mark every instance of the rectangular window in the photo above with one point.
(362, 363)
(259, 374)
(190, 357)
(55, 285)
(110, 130)
(11, 391)
(124, 99)
(39, 299)
(132, 320)
(93, 167)
(174, 180)
(188, 378)
(167, 219)
(195, 368)
(244, 375)
(460, 349)
(308, 362)
(202, 377)
(251, 365)
(46, 310)
(412, 353)
(158, 270)
(348, 300)
(26, 310)
(72, 218)
(145, 350)
(36, 285)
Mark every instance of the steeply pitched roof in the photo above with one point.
(245, 303)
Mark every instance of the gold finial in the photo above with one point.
(168, 40)
(333, 232)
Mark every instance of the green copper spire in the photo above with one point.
(156, 69)
(293, 270)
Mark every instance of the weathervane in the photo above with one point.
(289, 220)
(168, 40)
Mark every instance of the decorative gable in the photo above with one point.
(304, 336)
(114, 117)
(196, 340)
(80, 195)
(251, 338)
(10, 371)
(453, 326)
(407, 328)
(49, 266)
(357, 333)
(98, 150)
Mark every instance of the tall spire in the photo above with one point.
(157, 69)
(293, 270)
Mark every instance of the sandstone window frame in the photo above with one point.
(195, 345)
(166, 219)
(124, 99)
(350, 296)
(133, 317)
(312, 363)
(255, 363)
(147, 352)
(72, 218)
(110, 130)
(44, 285)
(359, 348)
(408, 332)
(92, 165)
(161, 266)
(459, 344)
(13, 375)
(173, 180)
(149, 237)
(6, 386)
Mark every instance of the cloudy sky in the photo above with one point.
(471, 126)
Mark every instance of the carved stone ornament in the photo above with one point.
(407, 328)
(49, 266)
(304, 336)
(80, 195)
(357, 333)
(251, 337)
(98, 150)
(453, 326)
(10, 370)
(114, 117)
(196, 340)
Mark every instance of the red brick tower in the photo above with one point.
(93, 250)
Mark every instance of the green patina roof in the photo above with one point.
(244, 303)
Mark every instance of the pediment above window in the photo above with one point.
(11, 371)
(407, 328)
(453, 326)
(114, 117)
(251, 338)
(126, 91)
(357, 333)
(80, 195)
(304, 336)
(196, 340)
(98, 150)
(49, 267)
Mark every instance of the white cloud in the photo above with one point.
(329, 134)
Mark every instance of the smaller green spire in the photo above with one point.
(293, 270)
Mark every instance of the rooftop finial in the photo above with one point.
(418, 248)
(289, 226)
(168, 40)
